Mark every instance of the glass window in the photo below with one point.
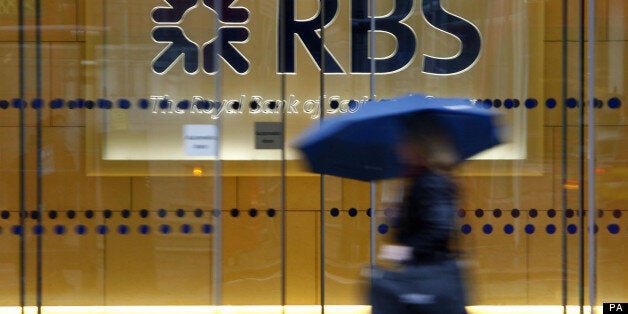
(148, 158)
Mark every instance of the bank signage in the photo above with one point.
(174, 49)
(233, 32)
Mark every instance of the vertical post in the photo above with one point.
(282, 70)
(372, 49)
(581, 157)
(38, 75)
(373, 186)
(564, 169)
(217, 254)
(103, 122)
(22, 156)
(322, 179)
(591, 153)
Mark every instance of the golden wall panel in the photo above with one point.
(64, 183)
(9, 260)
(303, 257)
(610, 167)
(346, 249)
(167, 266)
(9, 20)
(29, 263)
(58, 20)
(347, 253)
(303, 193)
(544, 276)
(251, 266)
(303, 240)
(10, 167)
(252, 243)
(66, 82)
(553, 88)
(73, 258)
(617, 22)
(60, 70)
(11, 89)
(496, 267)
(554, 19)
(507, 192)
(61, 19)
(611, 250)
(610, 60)
(172, 193)
(10, 73)
(610, 67)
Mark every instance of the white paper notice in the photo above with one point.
(200, 140)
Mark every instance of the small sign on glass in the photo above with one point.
(200, 140)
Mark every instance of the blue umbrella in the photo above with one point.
(361, 145)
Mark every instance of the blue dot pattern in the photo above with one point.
(39, 229)
(529, 229)
(489, 224)
(509, 229)
(466, 229)
(123, 229)
(613, 228)
(144, 229)
(382, 228)
(487, 228)
(59, 229)
(186, 228)
(17, 230)
(166, 104)
(102, 229)
(81, 229)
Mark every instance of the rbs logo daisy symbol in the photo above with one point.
(307, 31)
(179, 44)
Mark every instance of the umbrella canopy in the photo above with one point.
(362, 145)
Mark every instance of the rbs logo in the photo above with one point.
(233, 31)
(179, 44)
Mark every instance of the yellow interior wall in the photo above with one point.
(177, 268)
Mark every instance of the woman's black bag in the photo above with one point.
(418, 288)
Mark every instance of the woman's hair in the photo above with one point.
(433, 142)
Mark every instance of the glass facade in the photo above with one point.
(147, 159)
